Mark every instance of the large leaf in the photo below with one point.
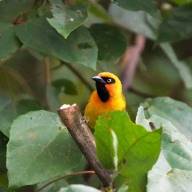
(110, 41)
(40, 148)
(162, 176)
(177, 26)
(182, 67)
(78, 188)
(66, 18)
(137, 21)
(8, 41)
(128, 147)
(173, 170)
(178, 113)
(149, 6)
(11, 9)
(79, 48)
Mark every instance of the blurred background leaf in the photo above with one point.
(79, 50)
(8, 41)
(66, 18)
(177, 26)
(149, 6)
(11, 9)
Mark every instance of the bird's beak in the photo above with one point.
(98, 79)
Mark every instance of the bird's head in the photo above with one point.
(108, 85)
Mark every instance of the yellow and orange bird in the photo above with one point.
(107, 97)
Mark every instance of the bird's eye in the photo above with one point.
(109, 80)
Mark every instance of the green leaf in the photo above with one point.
(78, 188)
(170, 181)
(123, 188)
(66, 18)
(181, 66)
(173, 170)
(110, 41)
(11, 9)
(8, 41)
(128, 147)
(178, 113)
(149, 6)
(137, 21)
(177, 26)
(39, 149)
(79, 48)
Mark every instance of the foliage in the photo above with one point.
(49, 50)
(129, 148)
(172, 171)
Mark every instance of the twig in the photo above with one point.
(70, 115)
(63, 177)
(130, 60)
(78, 74)
(47, 80)
(142, 94)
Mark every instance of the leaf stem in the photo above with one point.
(91, 172)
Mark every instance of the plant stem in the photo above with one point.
(130, 59)
(78, 74)
(63, 177)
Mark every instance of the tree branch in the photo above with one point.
(130, 59)
(78, 74)
(71, 117)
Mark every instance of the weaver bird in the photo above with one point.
(107, 97)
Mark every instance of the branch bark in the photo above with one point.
(130, 59)
(72, 118)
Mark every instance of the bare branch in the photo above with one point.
(81, 133)
(130, 60)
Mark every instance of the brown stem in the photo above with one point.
(63, 177)
(130, 59)
(71, 117)
(140, 93)
(78, 74)
(47, 81)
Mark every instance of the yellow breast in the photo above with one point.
(96, 107)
